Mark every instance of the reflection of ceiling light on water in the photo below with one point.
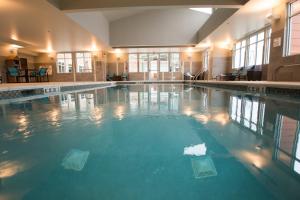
(10, 168)
(221, 118)
(97, 115)
(188, 111)
(119, 112)
(202, 118)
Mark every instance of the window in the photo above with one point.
(164, 62)
(84, 62)
(143, 62)
(175, 62)
(239, 54)
(268, 46)
(293, 28)
(205, 61)
(256, 47)
(64, 63)
(133, 63)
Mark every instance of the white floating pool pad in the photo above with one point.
(197, 150)
(75, 159)
(203, 167)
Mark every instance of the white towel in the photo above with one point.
(197, 150)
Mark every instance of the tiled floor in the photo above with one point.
(24, 86)
(288, 85)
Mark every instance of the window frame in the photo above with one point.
(137, 63)
(58, 71)
(266, 41)
(287, 43)
(170, 63)
(205, 60)
(84, 59)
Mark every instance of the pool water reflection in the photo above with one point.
(135, 138)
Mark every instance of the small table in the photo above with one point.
(27, 73)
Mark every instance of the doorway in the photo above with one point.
(153, 67)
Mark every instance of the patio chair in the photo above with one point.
(13, 72)
(42, 74)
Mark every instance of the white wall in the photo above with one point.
(94, 22)
(160, 27)
(251, 17)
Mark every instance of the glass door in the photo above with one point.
(153, 67)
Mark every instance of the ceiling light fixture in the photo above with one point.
(203, 10)
(15, 46)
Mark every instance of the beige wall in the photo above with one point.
(34, 62)
(220, 62)
(275, 71)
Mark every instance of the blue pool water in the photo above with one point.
(127, 142)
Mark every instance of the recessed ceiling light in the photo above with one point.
(15, 46)
(203, 10)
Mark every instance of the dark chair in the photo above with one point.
(15, 73)
(42, 74)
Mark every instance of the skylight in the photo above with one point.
(203, 10)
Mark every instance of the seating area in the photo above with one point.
(242, 74)
(17, 71)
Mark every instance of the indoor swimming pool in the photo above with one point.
(150, 142)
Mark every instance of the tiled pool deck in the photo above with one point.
(18, 90)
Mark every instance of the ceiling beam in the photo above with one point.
(97, 4)
(215, 20)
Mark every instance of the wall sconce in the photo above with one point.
(118, 54)
(272, 17)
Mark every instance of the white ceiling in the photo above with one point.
(119, 13)
(249, 18)
(39, 26)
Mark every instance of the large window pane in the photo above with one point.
(260, 52)
(251, 54)
(295, 35)
(133, 63)
(237, 59)
(84, 62)
(253, 39)
(175, 62)
(242, 61)
(205, 60)
(164, 62)
(153, 60)
(64, 62)
(143, 62)
(295, 8)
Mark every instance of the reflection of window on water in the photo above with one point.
(247, 112)
(287, 149)
(86, 101)
(153, 99)
(143, 97)
(174, 101)
(134, 100)
(67, 102)
(164, 100)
